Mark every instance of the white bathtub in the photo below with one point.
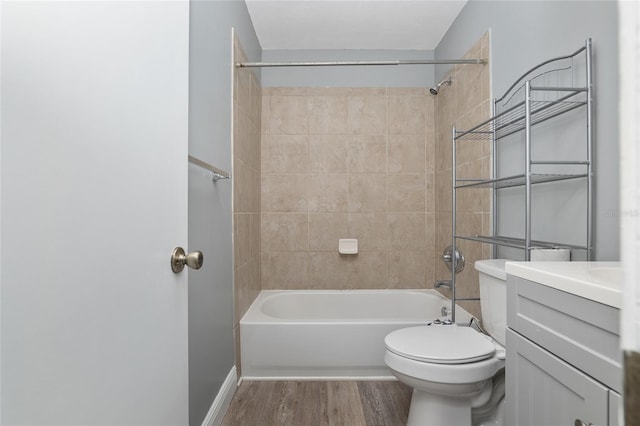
(330, 333)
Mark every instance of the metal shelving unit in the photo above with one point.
(549, 90)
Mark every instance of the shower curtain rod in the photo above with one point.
(351, 63)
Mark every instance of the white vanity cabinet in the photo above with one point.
(564, 364)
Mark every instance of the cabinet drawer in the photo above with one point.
(582, 332)
(544, 390)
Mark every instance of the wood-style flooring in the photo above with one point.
(319, 403)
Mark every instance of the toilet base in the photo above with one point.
(428, 409)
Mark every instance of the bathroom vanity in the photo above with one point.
(564, 364)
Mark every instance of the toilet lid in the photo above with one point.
(446, 344)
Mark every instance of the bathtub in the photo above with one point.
(327, 334)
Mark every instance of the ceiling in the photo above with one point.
(352, 24)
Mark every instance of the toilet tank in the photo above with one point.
(493, 297)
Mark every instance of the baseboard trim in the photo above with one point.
(223, 399)
(320, 378)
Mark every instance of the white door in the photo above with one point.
(93, 200)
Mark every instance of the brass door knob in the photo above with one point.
(179, 259)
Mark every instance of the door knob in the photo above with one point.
(193, 260)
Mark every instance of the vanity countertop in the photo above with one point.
(597, 281)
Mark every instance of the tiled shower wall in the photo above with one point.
(465, 103)
(347, 163)
(247, 98)
(366, 163)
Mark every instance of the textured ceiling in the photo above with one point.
(349, 24)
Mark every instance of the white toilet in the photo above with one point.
(456, 372)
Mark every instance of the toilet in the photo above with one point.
(456, 372)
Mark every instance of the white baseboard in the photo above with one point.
(223, 399)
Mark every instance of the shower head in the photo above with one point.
(436, 89)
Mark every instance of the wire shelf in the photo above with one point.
(513, 119)
(516, 180)
(519, 243)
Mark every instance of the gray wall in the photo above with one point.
(211, 345)
(346, 76)
(524, 33)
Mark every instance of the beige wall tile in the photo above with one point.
(367, 154)
(255, 235)
(241, 292)
(325, 229)
(430, 145)
(286, 193)
(265, 115)
(365, 91)
(430, 192)
(487, 224)
(248, 124)
(285, 232)
(442, 273)
(328, 91)
(265, 270)
(407, 154)
(287, 91)
(430, 231)
(473, 201)
(430, 268)
(407, 231)
(367, 115)
(473, 307)
(328, 153)
(443, 157)
(255, 146)
(254, 191)
(406, 115)
(367, 192)
(407, 269)
(430, 110)
(469, 150)
(241, 133)
(254, 277)
(378, 169)
(328, 270)
(443, 191)
(406, 193)
(407, 91)
(328, 192)
(442, 231)
(367, 270)
(469, 223)
(288, 115)
(256, 100)
(286, 271)
(241, 186)
(327, 115)
(243, 88)
(241, 238)
(370, 229)
(285, 154)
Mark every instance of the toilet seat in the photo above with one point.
(455, 345)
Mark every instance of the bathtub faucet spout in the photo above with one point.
(443, 283)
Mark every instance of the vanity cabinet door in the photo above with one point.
(544, 390)
(615, 409)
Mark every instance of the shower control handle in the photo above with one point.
(453, 257)
(579, 422)
(179, 259)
